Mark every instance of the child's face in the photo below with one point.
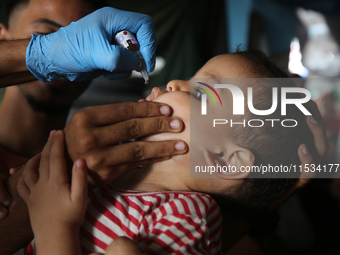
(178, 95)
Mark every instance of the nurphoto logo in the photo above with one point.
(238, 99)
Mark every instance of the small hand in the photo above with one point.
(44, 185)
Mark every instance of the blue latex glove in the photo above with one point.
(84, 50)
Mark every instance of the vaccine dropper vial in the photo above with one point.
(127, 40)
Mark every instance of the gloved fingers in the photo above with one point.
(108, 75)
(144, 28)
(84, 76)
(118, 64)
(146, 37)
(120, 59)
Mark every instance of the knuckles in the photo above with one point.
(94, 161)
(80, 139)
(133, 128)
(127, 109)
(85, 143)
(161, 124)
(80, 119)
(84, 147)
(137, 152)
(150, 108)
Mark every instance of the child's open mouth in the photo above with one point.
(156, 92)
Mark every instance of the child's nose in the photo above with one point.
(178, 85)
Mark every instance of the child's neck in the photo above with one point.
(150, 179)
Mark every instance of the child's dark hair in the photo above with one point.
(262, 66)
(10, 5)
(270, 145)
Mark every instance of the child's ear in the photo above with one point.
(4, 32)
(234, 162)
(240, 158)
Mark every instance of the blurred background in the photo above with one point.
(302, 37)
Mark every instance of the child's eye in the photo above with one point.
(220, 155)
(198, 94)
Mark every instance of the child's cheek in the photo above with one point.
(183, 160)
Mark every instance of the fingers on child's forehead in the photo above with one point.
(319, 134)
(313, 108)
(316, 125)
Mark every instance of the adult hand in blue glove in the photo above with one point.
(84, 50)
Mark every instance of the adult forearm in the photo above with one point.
(15, 229)
(13, 69)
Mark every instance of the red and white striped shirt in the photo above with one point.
(160, 222)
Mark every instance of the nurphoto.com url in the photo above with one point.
(265, 169)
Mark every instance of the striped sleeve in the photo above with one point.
(198, 231)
